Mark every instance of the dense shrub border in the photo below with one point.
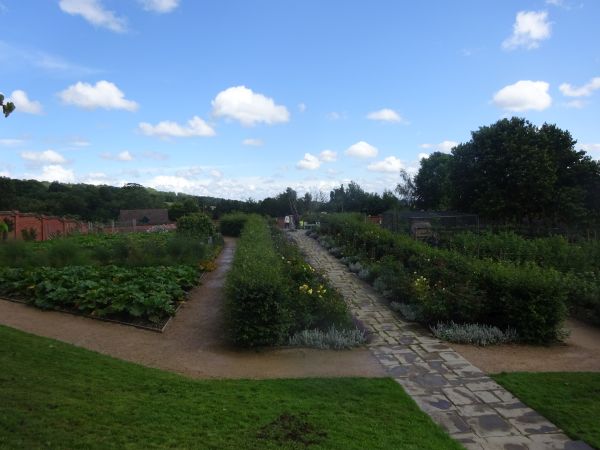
(130, 294)
(579, 263)
(273, 293)
(448, 286)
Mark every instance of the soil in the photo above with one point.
(193, 342)
(579, 353)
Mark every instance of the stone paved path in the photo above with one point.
(473, 408)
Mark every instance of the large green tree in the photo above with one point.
(432, 183)
(515, 171)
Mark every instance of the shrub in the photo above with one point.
(256, 293)
(196, 225)
(448, 286)
(331, 339)
(473, 333)
(232, 224)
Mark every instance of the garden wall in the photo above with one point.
(45, 227)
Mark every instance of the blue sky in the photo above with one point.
(240, 99)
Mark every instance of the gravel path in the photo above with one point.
(473, 408)
(193, 342)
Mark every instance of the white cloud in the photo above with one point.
(444, 147)
(591, 148)
(125, 156)
(96, 178)
(250, 142)
(422, 156)
(301, 107)
(385, 115)
(45, 157)
(172, 183)
(194, 127)
(247, 107)
(583, 91)
(362, 149)
(577, 104)
(334, 115)
(157, 156)
(56, 172)
(80, 143)
(328, 156)
(122, 156)
(10, 142)
(529, 29)
(4, 173)
(216, 173)
(94, 12)
(309, 162)
(24, 104)
(160, 6)
(524, 95)
(391, 164)
(103, 94)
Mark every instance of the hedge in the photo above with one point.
(448, 286)
(256, 305)
(272, 293)
(232, 224)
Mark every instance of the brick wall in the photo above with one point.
(46, 227)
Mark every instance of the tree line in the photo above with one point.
(508, 172)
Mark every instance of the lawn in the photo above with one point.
(55, 395)
(571, 400)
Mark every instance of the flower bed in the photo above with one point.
(272, 293)
(443, 285)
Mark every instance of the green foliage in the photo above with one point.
(147, 293)
(553, 252)
(567, 399)
(196, 224)
(29, 234)
(513, 171)
(256, 311)
(131, 250)
(182, 208)
(232, 224)
(432, 182)
(8, 107)
(48, 386)
(272, 292)
(578, 262)
(447, 286)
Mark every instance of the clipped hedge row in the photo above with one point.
(272, 293)
(232, 224)
(256, 308)
(447, 286)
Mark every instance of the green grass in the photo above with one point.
(55, 395)
(571, 400)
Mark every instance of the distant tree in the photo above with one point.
(8, 107)
(514, 171)
(432, 182)
(406, 189)
(181, 208)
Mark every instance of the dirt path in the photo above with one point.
(579, 353)
(193, 342)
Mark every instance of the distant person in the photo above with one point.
(286, 222)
